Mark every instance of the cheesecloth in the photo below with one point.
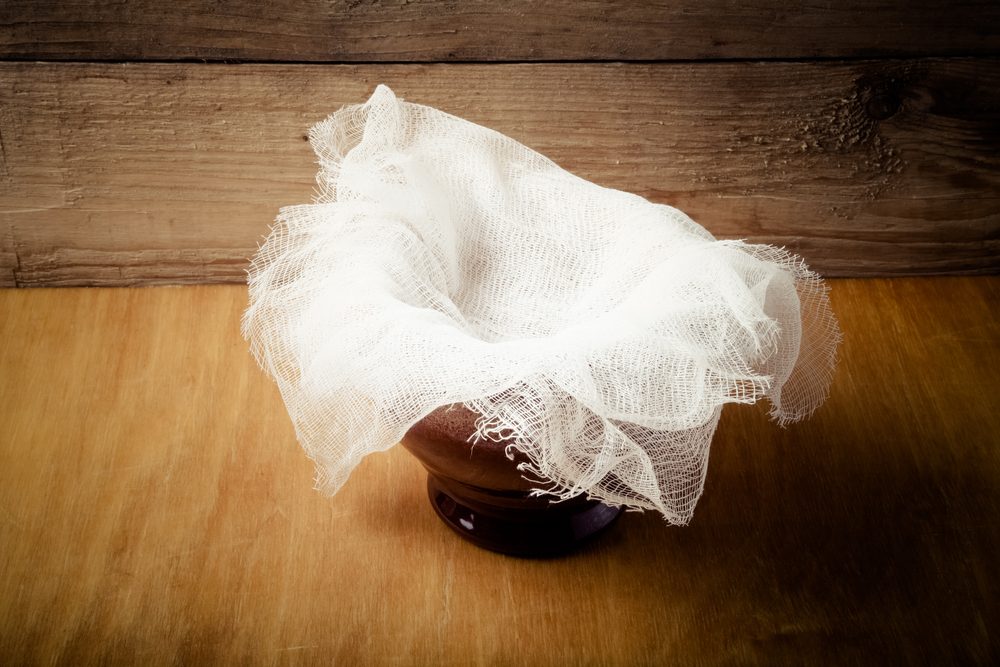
(442, 262)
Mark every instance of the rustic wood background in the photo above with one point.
(145, 142)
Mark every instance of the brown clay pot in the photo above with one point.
(477, 491)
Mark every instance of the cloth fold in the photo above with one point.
(443, 262)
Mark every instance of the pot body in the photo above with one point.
(479, 492)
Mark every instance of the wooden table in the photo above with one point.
(155, 508)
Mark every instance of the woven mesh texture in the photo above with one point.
(443, 262)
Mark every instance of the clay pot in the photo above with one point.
(481, 495)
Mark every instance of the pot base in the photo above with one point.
(515, 523)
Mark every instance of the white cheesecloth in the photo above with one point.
(443, 262)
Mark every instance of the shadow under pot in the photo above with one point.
(480, 494)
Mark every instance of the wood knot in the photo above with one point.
(882, 105)
(883, 88)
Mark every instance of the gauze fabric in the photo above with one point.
(443, 262)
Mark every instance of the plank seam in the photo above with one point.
(595, 61)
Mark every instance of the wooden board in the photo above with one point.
(483, 30)
(155, 509)
(139, 173)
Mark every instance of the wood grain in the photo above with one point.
(483, 30)
(155, 509)
(144, 173)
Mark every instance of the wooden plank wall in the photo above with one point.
(145, 142)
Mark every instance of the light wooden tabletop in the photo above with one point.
(155, 508)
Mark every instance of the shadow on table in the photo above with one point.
(851, 538)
